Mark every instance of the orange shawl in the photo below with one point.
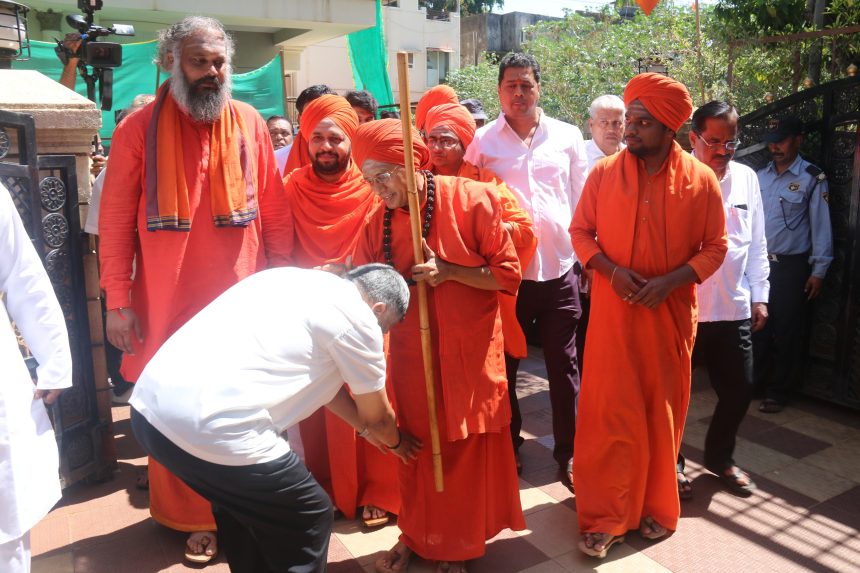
(232, 173)
(327, 217)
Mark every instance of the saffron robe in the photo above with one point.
(525, 242)
(178, 273)
(481, 486)
(314, 222)
(636, 382)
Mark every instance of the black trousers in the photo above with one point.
(554, 305)
(272, 517)
(724, 349)
(778, 347)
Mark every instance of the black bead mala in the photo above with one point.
(425, 229)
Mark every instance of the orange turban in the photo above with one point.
(329, 106)
(434, 96)
(454, 116)
(382, 140)
(666, 99)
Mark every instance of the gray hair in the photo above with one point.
(170, 39)
(607, 101)
(381, 283)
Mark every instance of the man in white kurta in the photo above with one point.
(29, 462)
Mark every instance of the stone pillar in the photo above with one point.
(51, 22)
(66, 121)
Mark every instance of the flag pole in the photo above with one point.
(418, 250)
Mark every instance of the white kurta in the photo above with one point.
(29, 461)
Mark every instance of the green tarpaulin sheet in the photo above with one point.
(262, 88)
(369, 59)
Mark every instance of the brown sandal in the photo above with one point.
(610, 540)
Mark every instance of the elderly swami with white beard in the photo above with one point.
(188, 173)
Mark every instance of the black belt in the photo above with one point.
(775, 258)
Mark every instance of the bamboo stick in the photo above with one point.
(415, 220)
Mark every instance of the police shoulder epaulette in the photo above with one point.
(816, 172)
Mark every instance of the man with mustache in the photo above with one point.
(188, 172)
(650, 225)
(800, 250)
(542, 160)
(606, 123)
(733, 301)
(316, 220)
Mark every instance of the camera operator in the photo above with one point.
(71, 46)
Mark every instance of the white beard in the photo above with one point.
(205, 107)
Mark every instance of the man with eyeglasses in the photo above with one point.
(733, 301)
(800, 250)
(543, 161)
(317, 220)
(606, 123)
(469, 258)
(650, 225)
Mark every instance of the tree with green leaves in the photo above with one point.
(466, 6)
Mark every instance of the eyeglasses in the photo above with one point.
(730, 145)
(604, 123)
(381, 179)
(443, 142)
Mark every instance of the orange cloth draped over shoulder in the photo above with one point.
(178, 273)
(436, 95)
(460, 121)
(626, 450)
(471, 388)
(313, 222)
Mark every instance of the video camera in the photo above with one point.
(101, 56)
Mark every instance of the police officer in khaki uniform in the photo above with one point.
(800, 249)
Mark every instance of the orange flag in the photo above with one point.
(647, 5)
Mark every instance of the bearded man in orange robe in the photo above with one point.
(188, 172)
(469, 258)
(449, 129)
(651, 225)
(316, 220)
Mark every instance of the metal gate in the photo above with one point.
(831, 113)
(45, 192)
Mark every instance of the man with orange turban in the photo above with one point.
(450, 129)
(315, 221)
(469, 258)
(651, 225)
(437, 95)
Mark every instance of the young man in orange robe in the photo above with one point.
(316, 220)
(469, 258)
(651, 225)
(449, 129)
(188, 172)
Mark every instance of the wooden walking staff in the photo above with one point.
(418, 250)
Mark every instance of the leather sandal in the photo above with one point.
(599, 553)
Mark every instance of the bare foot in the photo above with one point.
(396, 560)
(373, 516)
(451, 567)
(650, 529)
(201, 546)
(598, 544)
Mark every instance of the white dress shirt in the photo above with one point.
(263, 356)
(742, 277)
(547, 179)
(594, 153)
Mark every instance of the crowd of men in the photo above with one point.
(250, 273)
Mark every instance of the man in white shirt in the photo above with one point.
(733, 301)
(29, 461)
(543, 161)
(212, 403)
(606, 123)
